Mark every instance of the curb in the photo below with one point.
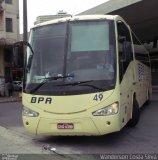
(16, 143)
(6, 132)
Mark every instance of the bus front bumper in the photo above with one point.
(95, 125)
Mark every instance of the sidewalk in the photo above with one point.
(17, 146)
(15, 98)
(17, 143)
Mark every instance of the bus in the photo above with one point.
(84, 75)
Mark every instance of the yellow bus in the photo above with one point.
(84, 75)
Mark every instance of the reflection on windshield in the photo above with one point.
(91, 66)
(48, 44)
(83, 52)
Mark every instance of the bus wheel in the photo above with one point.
(135, 114)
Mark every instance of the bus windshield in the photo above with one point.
(77, 51)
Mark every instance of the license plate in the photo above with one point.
(65, 126)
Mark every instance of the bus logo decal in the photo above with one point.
(39, 100)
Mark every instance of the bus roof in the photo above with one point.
(81, 17)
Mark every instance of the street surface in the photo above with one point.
(141, 139)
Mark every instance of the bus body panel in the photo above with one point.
(84, 122)
(126, 91)
(82, 126)
(143, 83)
(66, 104)
(136, 81)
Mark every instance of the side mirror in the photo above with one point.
(15, 56)
(21, 46)
(121, 39)
(18, 56)
(29, 62)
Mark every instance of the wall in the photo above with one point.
(8, 38)
(1, 22)
(12, 11)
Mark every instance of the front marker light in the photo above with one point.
(109, 110)
(29, 113)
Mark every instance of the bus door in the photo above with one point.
(126, 69)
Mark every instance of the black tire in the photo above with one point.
(135, 114)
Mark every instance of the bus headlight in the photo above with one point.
(30, 113)
(109, 110)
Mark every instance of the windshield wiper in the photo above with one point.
(74, 83)
(45, 80)
(93, 86)
(82, 83)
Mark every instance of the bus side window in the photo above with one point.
(125, 48)
(140, 51)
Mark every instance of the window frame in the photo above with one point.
(142, 56)
(9, 24)
(125, 37)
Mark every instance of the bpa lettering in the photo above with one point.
(39, 100)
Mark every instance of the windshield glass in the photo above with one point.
(48, 44)
(90, 55)
(77, 51)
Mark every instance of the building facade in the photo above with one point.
(45, 18)
(9, 34)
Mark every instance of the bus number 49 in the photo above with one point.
(98, 97)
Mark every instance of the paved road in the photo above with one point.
(141, 139)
